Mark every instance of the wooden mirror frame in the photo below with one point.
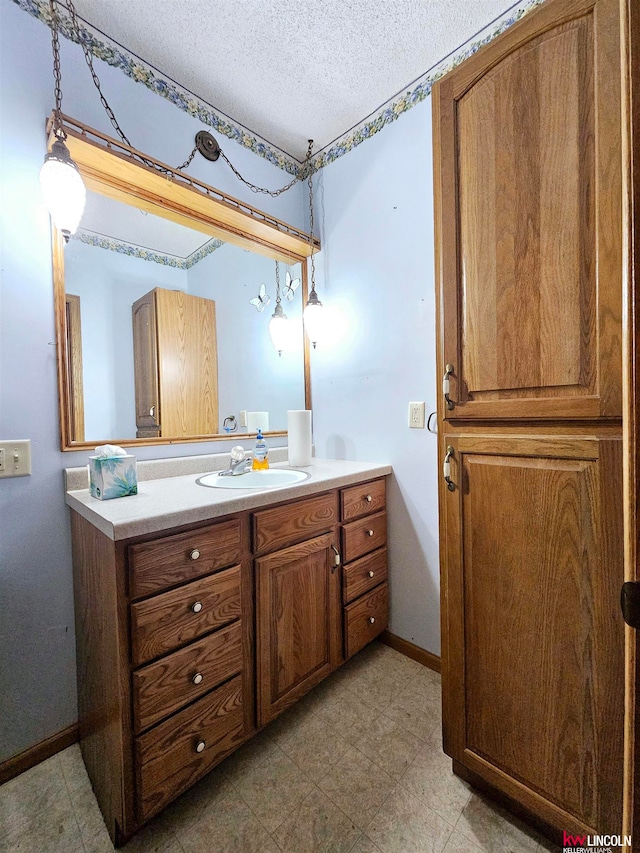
(114, 170)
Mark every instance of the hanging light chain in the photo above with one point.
(311, 220)
(57, 74)
(278, 299)
(187, 162)
(68, 4)
(96, 80)
(253, 187)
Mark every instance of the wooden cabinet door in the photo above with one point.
(188, 363)
(298, 622)
(145, 360)
(533, 642)
(527, 147)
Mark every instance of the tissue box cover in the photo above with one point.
(113, 478)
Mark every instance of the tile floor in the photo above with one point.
(355, 766)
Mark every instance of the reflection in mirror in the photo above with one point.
(202, 352)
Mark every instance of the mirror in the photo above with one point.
(160, 339)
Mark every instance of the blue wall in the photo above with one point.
(376, 270)
(37, 647)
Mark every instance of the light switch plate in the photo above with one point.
(243, 418)
(416, 415)
(15, 458)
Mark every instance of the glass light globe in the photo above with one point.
(279, 329)
(314, 319)
(63, 189)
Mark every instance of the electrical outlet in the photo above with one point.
(416, 415)
(243, 418)
(15, 458)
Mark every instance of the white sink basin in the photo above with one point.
(273, 478)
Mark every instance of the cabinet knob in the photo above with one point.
(368, 499)
(369, 532)
(200, 746)
(196, 606)
(371, 574)
(194, 554)
(197, 678)
(372, 619)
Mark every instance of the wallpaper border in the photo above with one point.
(138, 70)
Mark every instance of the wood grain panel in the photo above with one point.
(362, 575)
(73, 357)
(299, 638)
(361, 537)
(522, 136)
(187, 363)
(293, 522)
(365, 619)
(145, 366)
(165, 622)
(167, 561)
(528, 190)
(536, 589)
(100, 645)
(166, 757)
(161, 688)
(363, 499)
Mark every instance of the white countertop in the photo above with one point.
(172, 501)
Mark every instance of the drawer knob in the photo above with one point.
(194, 554)
(369, 532)
(371, 574)
(372, 619)
(196, 606)
(200, 746)
(197, 678)
(368, 499)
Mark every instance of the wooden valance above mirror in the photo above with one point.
(246, 242)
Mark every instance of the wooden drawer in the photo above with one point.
(363, 499)
(167, 621)
(162, 687)
(171, 560)
(361, 537)
(167, 761)
(359, 629)
(363, 575)
(294, 522)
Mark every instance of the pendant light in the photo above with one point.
(62, 186)
(313, 315)
(278, 324)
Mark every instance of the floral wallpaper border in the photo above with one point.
(139, 71)
(122, 248)
(131, 65)
(394, 108)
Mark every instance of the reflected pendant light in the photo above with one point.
(62, 187)
(313, 315)
(279, 326)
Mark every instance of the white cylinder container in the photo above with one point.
(258, 420)
(299, 430)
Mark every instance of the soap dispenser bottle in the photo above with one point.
(260, 454)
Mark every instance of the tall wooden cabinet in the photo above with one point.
(176, 364)
(529, 244)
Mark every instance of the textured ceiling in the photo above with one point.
(290, 70)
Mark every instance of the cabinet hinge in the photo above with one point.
(630, 603)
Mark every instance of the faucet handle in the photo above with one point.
(237, 453)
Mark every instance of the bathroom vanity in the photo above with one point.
(202, 614)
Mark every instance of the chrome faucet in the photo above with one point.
(239, 464)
